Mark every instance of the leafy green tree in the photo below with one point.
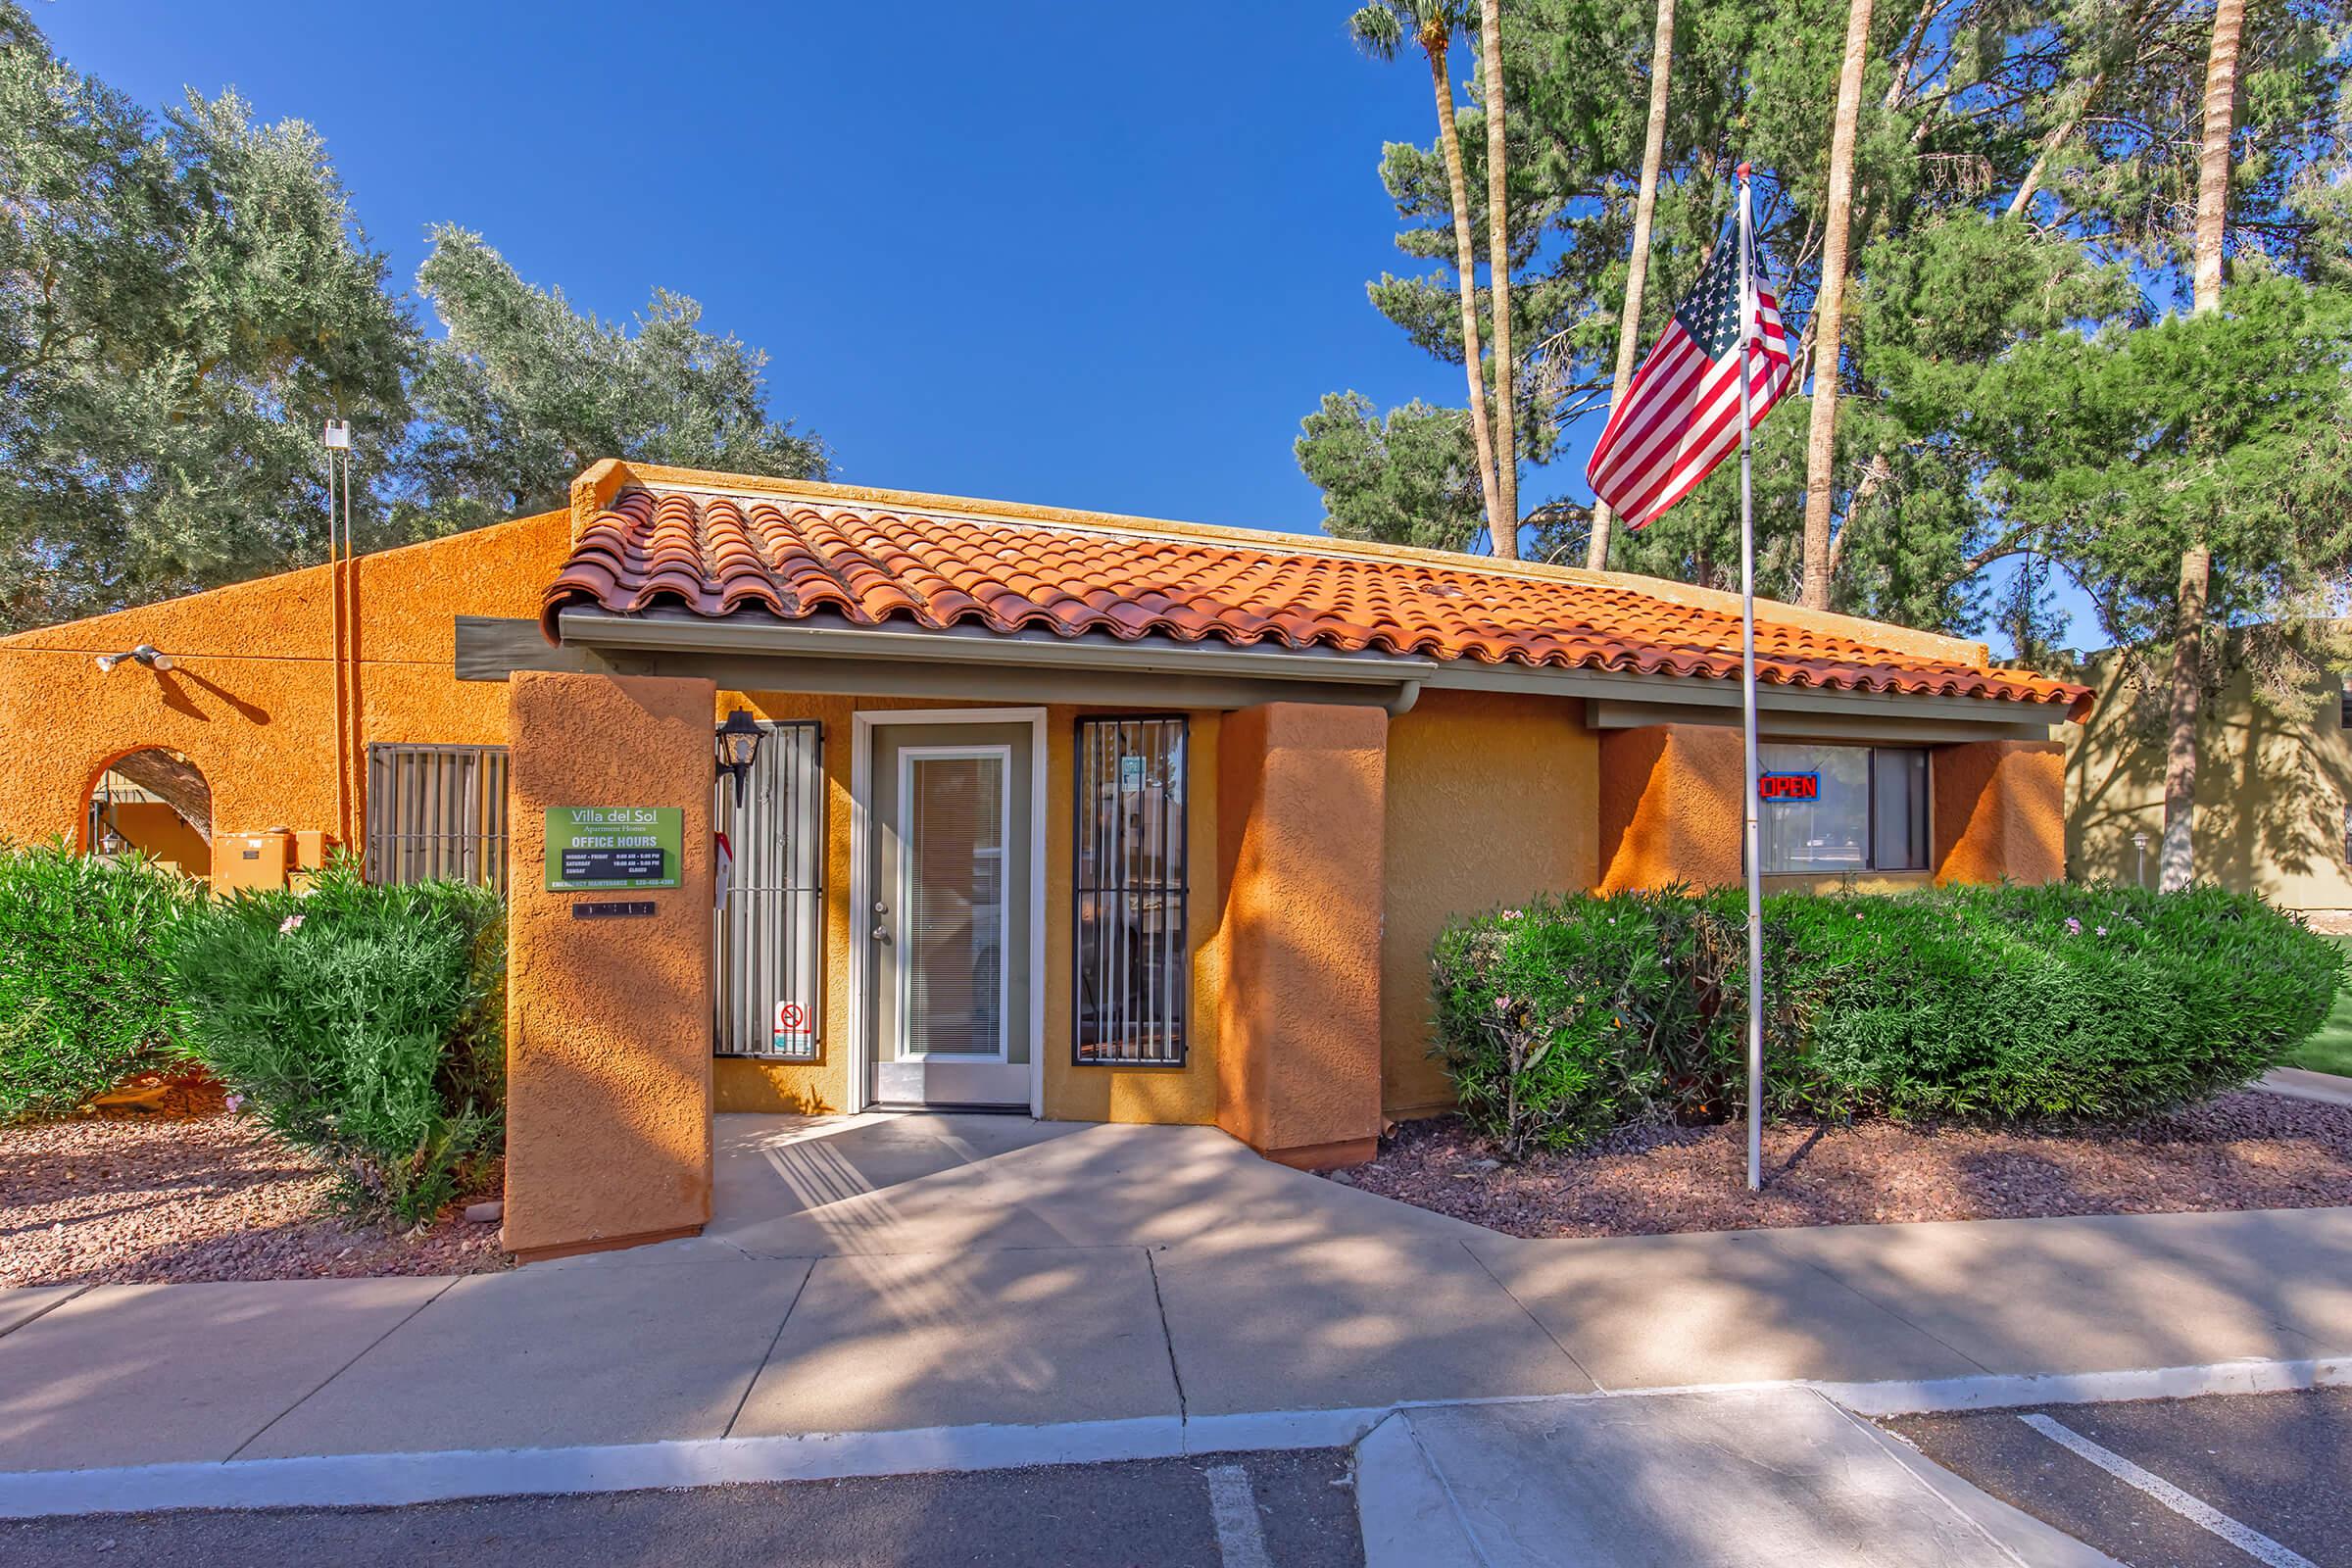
(185, 301)
(1579, 75)
(526, 391)
(2116, 457)
(182, 306)
(1409, 477)
(2018, 172)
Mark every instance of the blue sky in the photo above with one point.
(1057, 253)
(1061, 253)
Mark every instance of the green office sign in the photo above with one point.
(592, 848)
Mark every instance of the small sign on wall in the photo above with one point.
(794, 1032)
(1787, 786)
(593, 847)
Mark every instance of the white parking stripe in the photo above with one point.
(2244, 1538)
(1234, 1507)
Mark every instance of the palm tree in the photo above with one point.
(1381, 28)
(1498, 282)
(1829, 307)
(2177, 859)
(2213, 159)
(1645, 207)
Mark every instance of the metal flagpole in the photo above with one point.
(1747, 693)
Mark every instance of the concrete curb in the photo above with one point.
(381, 1480)
(2087, 1388)
(357, 1480)
(2300, 1083)
(1402, 1506)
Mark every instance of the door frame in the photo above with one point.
(863, 723)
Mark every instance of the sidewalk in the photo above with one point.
(2327, 1087)
(947, 1272)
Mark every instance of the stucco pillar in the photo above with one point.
(608, 1020)
(1670, 808)
(1301, 824)
(1999, 811)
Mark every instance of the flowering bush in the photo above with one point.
(1574, 1014)
(367, 1022)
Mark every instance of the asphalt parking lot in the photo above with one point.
(1260, 1510)
(2218, 1481)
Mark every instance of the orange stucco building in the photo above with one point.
(1084, 816)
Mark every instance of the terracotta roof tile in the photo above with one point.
(873, 566)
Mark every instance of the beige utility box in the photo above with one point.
(252, 859)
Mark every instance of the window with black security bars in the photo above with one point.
(436, 813)
(768, 952)
(1133, 969)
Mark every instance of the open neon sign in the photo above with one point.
(1787, 786)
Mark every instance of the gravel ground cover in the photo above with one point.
(190, 1192)
(2240, 1150)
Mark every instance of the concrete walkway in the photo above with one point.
(2297, 1083)
(885, 1274)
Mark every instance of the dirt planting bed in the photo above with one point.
(2239, 1150)
(187, 1191)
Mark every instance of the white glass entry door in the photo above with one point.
(949, 915)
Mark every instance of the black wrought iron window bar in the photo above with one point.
(770, 945)
(1132, 976)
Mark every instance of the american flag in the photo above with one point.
(1680, 414)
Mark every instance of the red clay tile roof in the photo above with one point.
(873, 566)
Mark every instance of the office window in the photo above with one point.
(1133, 964)
(1870, 813)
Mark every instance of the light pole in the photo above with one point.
(337, 440)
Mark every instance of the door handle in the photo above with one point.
(881, 933)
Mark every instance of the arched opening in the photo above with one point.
(152, 801)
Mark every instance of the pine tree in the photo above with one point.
(2020, 184)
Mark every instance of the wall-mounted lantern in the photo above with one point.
(147, 654)
(738, 744)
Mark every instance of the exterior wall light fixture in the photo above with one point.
(738, 743)
(147, 654)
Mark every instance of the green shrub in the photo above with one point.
(83, 997)
(2094, 1001)
(1576, 1014)
(365, 1022)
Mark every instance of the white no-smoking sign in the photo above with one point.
(795, 1029)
